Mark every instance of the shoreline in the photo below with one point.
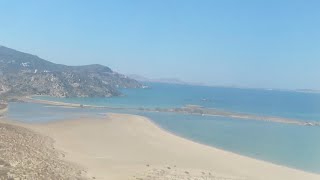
(188, 109)
(3, 109)
(149, 132)
(215, 147)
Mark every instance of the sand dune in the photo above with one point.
(132, 147)
(25, 154)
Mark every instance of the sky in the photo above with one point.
(246, 43)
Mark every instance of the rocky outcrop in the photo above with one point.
(24, 74)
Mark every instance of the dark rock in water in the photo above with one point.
(23, 74)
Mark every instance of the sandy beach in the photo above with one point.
(123, 147)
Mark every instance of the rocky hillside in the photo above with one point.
(24, 74)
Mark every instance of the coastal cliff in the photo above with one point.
(23, 74)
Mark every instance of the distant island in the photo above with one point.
(23, 74)
(308, 90)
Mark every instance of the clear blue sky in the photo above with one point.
(257, 43)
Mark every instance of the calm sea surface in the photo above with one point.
(289, 145)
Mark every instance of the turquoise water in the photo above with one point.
(289, 145)
(305, 106)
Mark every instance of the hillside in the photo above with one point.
(23, 74)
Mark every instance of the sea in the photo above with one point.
(284, 144)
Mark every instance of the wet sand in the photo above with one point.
(123, 147)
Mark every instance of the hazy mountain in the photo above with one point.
(162, 80)
(25, 74)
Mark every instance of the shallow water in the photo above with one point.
(289, 104)
(289, 145)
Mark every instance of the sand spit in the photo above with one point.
(188, 109)
(129, 147)
(25, 154)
